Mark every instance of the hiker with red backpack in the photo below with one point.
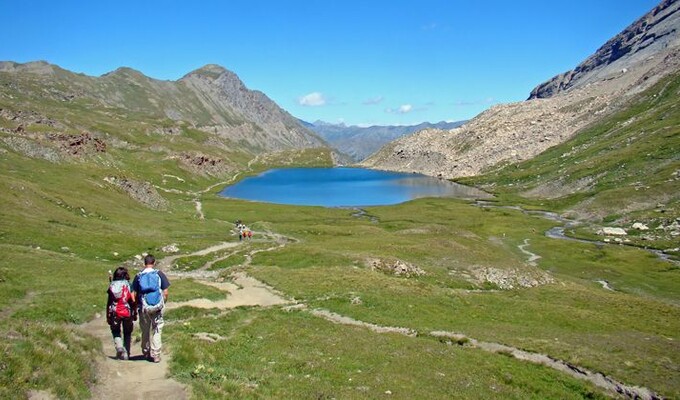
(120, 311)
(150, 292)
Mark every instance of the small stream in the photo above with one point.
(557, 232)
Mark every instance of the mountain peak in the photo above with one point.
(124, 71)
(215, 68)
(212, 71)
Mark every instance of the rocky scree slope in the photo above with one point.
(510, 133)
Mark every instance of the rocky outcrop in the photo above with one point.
(513, 278)
(510, 133)
(651, 34)
(143, 192)
(76, 145)
(202, 164)
(394, 267)
(23, 119)
(31, 148)
(51, 146)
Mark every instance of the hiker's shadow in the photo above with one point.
(139, 357)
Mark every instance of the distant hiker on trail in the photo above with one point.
(150, 291)
(241, 230)
(120, 311)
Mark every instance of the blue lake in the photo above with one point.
(344, 187)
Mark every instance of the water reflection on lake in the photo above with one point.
(344, 187)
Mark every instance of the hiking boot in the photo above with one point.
(121, 354)
(156, 359)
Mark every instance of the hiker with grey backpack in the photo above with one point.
(150, 292)
(120, 311)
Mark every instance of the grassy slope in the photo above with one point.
(271, 354)
(60, 225)
(630, 334)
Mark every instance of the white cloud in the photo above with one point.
(405, 108)
(463, 103)
(373, 101)
(314, 99)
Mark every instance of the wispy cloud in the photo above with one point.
(314, 99)
(463, 103)
(435, 27)
(373, 101)
(403, 109)
(430, 27)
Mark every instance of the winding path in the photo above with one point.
(138, 379)
(533, 257)
(598, 379)
(199, 209)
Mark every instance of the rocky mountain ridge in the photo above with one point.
(647, 36)
(210, 99)
(510, 133)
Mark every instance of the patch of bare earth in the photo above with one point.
(136, 378)
(243, 291)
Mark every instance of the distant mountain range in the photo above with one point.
(359, 142)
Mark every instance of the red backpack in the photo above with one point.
(120, 308)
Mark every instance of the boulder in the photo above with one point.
(640, 226)
(171, 248)
(609, 231)
(395, 267)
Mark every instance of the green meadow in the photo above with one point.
(55, 258)
(62, 227)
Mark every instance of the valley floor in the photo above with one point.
(138, 378)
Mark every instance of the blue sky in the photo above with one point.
(360, 62)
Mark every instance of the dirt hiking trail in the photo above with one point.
(138, 378)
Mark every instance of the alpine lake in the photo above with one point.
(344, 187)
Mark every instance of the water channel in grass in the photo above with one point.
(344, 187)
